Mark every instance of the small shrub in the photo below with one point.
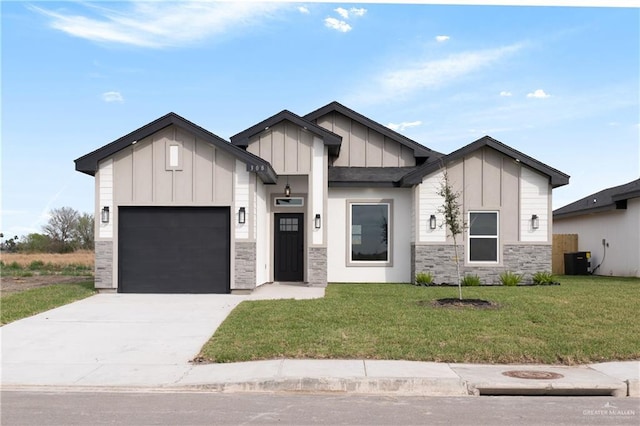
(14, 266)
(509, 278)
(36, 265)
(543, 277)
(470, 281)
(424, 278)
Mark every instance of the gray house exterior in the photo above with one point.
(331, 196)
(608, 225)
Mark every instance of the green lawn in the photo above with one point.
(26, 303)
(585, 319)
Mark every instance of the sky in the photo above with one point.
(560, 84)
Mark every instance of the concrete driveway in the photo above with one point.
(121, 339)
(142, 339)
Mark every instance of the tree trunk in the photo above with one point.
(455, 247)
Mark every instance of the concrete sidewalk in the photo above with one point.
(145, 342)
(619, 379)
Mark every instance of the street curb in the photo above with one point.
(362, 386)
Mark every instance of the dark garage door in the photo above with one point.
(173, 250)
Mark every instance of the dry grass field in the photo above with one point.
(79, 258)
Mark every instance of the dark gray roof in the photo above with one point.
(418, 149)
(556, 177)
(367, 176)
(330, 139)
(89, 163)
(605, 200)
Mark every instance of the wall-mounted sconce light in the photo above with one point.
(287, 190)
(535, 221)
(432, 221)
(317, 221)
(104, 215)
(242, 215)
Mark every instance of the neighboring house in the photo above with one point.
(608, 225)
(331, 196)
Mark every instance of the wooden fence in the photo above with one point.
(562, 243)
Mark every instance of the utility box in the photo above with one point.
(577, 263)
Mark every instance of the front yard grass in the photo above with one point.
(585, 319)
(20, 305)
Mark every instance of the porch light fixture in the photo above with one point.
(287, 190)
(104, 215)
(242, 215)
(432, 221)
(535, 221)
(317, 221)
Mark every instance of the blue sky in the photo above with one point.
(560, 84)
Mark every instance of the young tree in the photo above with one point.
(452, 211)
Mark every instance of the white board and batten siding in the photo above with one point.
(105, 197)
(534, 200)
(317, 187)
(262, 234)
(429, 202)
(241, 183)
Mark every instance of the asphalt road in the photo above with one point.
(163, 408)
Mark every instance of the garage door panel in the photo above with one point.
(174, 249)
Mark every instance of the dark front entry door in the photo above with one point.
(289, 247)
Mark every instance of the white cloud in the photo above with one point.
(112, 97)
(337, 24)
(442, 38)
(506, 93)
(159, 24)
(432, 74)
(346, 14)
(342, 12)
(538, 94)
(303, 9)
(404, 125)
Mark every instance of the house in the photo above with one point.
(608, 225)
(331, 196)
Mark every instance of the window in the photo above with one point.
(288, 224)
(288, 201)
(483, 236)
(370, 236)
(173, 155)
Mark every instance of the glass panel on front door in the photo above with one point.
(288, 224)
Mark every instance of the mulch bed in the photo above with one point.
(452, 302)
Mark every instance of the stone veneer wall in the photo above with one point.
(104, 265)
(317, 270)
(245, 266)
(525, 259)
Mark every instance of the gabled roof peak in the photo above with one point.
(418, 149)
(330, 139)
(556, 177)
(89, 163)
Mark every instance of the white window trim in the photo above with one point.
(497, 238)
(380, 263)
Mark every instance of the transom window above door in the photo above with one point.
(288, 201)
